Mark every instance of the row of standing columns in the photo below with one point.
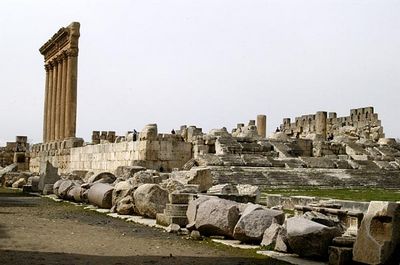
(60, 96)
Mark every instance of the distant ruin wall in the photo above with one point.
(163, 154)
(364, 120)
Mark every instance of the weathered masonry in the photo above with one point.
(61, 65)
(363, 121)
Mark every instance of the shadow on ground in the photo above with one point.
(32, 258)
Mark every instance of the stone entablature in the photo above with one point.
(61, 65)
(364, 121)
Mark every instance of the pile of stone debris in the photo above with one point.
(188, 201)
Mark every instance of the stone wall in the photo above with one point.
(364, 121)
(163, 153)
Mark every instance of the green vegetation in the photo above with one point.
(7, 192)
(359, 194)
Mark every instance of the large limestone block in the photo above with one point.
(149, 132)
(199, 176)
(64, 188)
(379, 234)
(254, 221)
(56, 186)
(150, 199)
(271, 234)
(126, 172)
(48, 174)
(75, 193)
(217, 217)
(100, 194)
(172, 185)
(142, 177)
(246, 189)
(102, 177)
(193, 206)
(121, 190)
(309, 239)
(125, 205)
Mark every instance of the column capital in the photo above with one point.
(72, 52)
(59, 59)
(47, 67)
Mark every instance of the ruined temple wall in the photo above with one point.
(360, 118)
(163, 154)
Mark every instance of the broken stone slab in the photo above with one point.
(344, 241)
(246, 189)
(309, 239)
(253, 222)
(193, 206)
(150, 199)
(63, 188)
(319, 218)
(121, 190)
(281, 243)
(126, 172)
(7, 169)
(19, 183)
(75, 193)
(173, 228)
(172, 185)
(102, 177)
(198, 175)
(179, 198)
(48, 174)
(142, 177)
(100, 194)
(270, 235)
(125, 206)
(217, 217)
(379, 233)
(226, 188)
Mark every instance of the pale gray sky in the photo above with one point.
(208, 63)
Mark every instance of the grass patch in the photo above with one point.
(361, 194)
(7, 192)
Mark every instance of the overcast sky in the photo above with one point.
(207, 63)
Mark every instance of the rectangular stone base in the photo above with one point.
(340, 255)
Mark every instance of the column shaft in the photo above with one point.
(72, 72)
(46, 97)
(54, 103)
(49, 104)
(63, 97)
(58, 99)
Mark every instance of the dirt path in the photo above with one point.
(36, 230)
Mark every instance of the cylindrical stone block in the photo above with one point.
(320, 123)
(262, 125)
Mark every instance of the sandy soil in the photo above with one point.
(36, 230)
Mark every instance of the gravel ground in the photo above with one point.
(36, 230)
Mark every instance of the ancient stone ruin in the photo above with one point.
(210, 183)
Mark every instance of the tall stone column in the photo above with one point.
(63, 103)
(54, 102)
(49, 103)
(71, 93)
(58, 97)
(46, 103)
(320, 123)
(262, 125)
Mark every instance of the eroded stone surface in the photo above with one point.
(379, 233)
